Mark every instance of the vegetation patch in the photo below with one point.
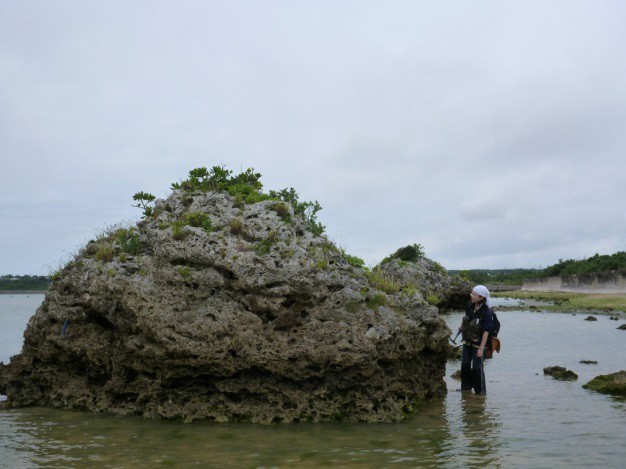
(282, 210)
(246, 188)
(354, 261)
(195, 219)
(128, 241)
(105, 252)
(380, 299)
(410, 253)
(382, 282)
(236, 226)
(263, 247)
(432, 298)
(185, 273)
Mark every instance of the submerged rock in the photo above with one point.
(591, 318)
(614, 384)
(622, 327)
(560, 373)
(588, 362)
(226, 311)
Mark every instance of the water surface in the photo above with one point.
(526, 419)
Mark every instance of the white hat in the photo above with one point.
(484, 292)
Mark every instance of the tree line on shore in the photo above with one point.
(594, 264)
(24, 282)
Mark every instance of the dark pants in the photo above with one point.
(472, 371)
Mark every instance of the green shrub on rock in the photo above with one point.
(410, 253)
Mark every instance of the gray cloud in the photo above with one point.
(489, 133)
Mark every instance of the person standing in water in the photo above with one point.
(476, 327)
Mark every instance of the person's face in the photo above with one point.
(475, 297)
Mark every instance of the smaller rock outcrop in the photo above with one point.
(589, 362)
(560, 373)
(591, 318)
(614, 384)
(622, 327)
(426, 278)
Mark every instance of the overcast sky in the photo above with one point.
(491, 132)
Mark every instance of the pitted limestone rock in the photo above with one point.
(255, 320)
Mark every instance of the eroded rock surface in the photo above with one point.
(255, 320)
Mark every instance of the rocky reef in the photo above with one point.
(560, 373)
(223, 305)
(614, 383)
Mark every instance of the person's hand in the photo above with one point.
(479, 352)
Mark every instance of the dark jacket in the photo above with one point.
(484, 315)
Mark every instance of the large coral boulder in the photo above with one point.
(216, 309)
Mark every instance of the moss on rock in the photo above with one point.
(614, 383)
(560, 373)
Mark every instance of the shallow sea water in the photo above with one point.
(526, 420)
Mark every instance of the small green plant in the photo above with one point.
(432, 298)
(144, 201)
(195, 219)
(236, 226)
(308, 210)
(128, 241)
(122, 257)
(272, 236)
(287, 253)
(105, 252)
(381, 282)
(352, 307)
(354, 261)
(380, 299)
(439, 268)
(178, 230)
(185, 273)
(240, 200)
(198, 220)
(263, 247)
(142, 272)
(321, 264)
(281, 209)
(111, 272)
(410, 290)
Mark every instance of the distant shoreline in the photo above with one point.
(23, 292)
